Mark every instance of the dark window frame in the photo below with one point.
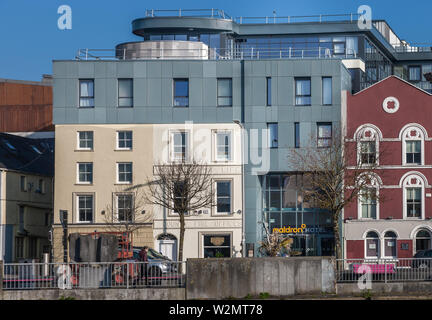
(303, 96)
(409, 73)
(186, 105)
(324, 138)
(118, 93)
(268, 91)
(331, 91)
(218, 96)
(86, 97)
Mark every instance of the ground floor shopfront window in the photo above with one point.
(217, 245)
(284, 206)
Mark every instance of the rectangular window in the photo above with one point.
(217, 246)
(223, 194)
(32, 250)
(297, 135)
(368, 152)
(413, 152)
(124, 172)
(368, 204)
(19, 247)
(324, 131)
(21, 213)
(223, 146)
(181, 92)
(179, 150)
(124, 208)
(124, 140)
(85, 208)
(224, 92)
(86, 93)
(41, 186)
(414, 73)
(413, 199)
(273, 135)
(303, 92)
(269, 92)
(85, 140)
(85, 172)
(23, 183)
(125, 92)
(327, 91)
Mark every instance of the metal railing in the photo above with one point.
(124, 275)
(201, 13)
(221, 14)
(384, 270)
(213, 54)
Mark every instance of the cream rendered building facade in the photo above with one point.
(97, 164)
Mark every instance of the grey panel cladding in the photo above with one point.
(153, 91)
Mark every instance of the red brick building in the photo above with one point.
(391, 123)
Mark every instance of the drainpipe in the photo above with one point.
(243, 189)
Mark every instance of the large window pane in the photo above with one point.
(224, 92)
(86, 88)
(303, 91)
(181, 92)
(327, 91)
(125, 92)
(223, 190)
(273, 135)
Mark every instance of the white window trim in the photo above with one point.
(384, 245)
(216, 233)
(78, 142)
(215, 212)
(362, 137)
(215, 146)
(379, 251)
(171, 145)
(375, 183)
(118, 173)
(406, 136)
(77, 195)
(115, 200)
(78, 174)
(118, 140)
(408, 184)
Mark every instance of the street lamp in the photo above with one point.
(64, 222)
(243, 190)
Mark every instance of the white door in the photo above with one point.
(168, 248)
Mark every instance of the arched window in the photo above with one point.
(372, 245)
(413, 197)
(390, 238)
(413, 146)
(367, 146)
(367, 199)
(423, 240)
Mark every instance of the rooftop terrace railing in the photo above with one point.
(213, 54)
(218, 13)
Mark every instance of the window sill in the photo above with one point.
(122, 183)
(84, 150)
(224, 106)
(87, 107)
(83, 184)
(123, 149)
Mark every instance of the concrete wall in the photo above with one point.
(237, 278)
(96, 294)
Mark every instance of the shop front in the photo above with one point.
(285, 212)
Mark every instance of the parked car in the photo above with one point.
(159, 266)
(422, 259)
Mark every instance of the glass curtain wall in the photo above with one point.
(284, 206)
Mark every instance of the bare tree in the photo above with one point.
(127, 212)
(335, 176)
(183, 188)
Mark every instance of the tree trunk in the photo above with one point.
(338, 248)
(182, 231)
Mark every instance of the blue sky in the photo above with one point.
(30, 39)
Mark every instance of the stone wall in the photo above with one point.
(239, 277)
